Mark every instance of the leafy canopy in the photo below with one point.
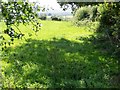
(14, 13)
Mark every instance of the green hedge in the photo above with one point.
(86, 12)
(108, 16)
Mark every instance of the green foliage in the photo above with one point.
(94, 13)
(108, 16)
(82, 13)
(110, 25)
(62, 57)
(87, 12)
(85, 15)
(75, 5)
(14, 13)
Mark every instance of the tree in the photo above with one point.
(109, 18)
(109, 29)
(75, 5)
(14, 13)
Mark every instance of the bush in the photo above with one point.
(82, 13)
(56, 18)
(86, 13)
(43, 17)
(93, 13)
(109, 15)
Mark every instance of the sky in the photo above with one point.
(47, 3)
(53, 7)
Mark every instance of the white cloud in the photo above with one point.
(47, 3)
(51, 4)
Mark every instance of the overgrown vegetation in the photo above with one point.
(61, 55)
(58, 60)
(109, 29)
(86, 13)
(108, 17)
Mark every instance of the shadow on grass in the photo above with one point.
(58, 63)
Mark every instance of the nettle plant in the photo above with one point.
(14, 13)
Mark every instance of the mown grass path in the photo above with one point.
(59, 56)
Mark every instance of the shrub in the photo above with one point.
(93, 13)
(82, 13)
(56, 18)
(85, 16)
(43, 17)
(86, 13)
(109, 14)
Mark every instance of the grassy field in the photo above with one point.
(59, 56)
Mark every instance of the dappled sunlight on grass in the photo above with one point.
(61, 55)
(58, 63)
